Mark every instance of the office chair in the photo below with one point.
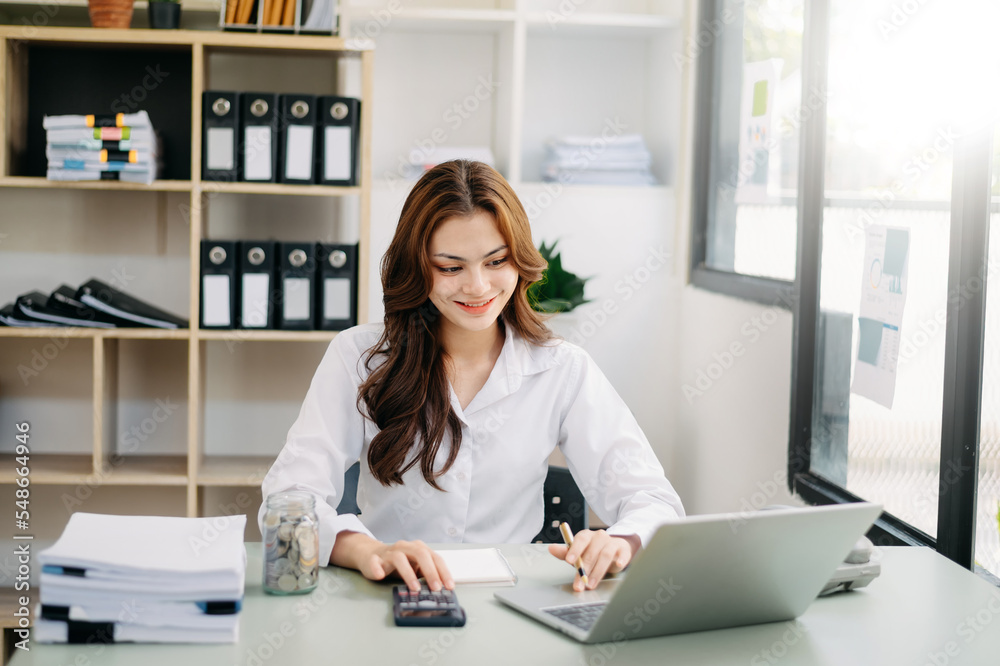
(563, 502)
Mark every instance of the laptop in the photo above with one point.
(708, 572)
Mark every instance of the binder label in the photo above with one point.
(337, 153)
(220, 148)
(255, 292)
(298, 152)
(257, 153)
(336, 298)
(215, 308)
(296, 299)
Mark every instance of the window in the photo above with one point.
(903, 153)
(752, 102)
(831, 126)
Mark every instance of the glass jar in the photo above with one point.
(291, 543)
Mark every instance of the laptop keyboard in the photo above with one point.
(579, 615)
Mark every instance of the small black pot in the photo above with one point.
(164, 15)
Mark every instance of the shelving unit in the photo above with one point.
(127, 409)
(563, 67)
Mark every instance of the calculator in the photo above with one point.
(426, 608)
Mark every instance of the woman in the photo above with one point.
(456, 401)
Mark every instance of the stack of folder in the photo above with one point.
(94, 305)
(95, 147)
(115, 579)
(595, 160)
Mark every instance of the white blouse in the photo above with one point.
(535, 398)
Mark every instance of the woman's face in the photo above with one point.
(473, 275)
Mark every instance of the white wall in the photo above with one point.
(731, 438)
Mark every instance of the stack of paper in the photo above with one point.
(120, 147)
(596, 160)
(113, 579)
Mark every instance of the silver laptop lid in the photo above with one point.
(725, 570)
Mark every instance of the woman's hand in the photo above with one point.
(376, 560)
(601, 554)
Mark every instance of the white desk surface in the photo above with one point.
(922, 610)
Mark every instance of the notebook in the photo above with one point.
(484, 567)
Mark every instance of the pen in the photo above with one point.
(567, 536)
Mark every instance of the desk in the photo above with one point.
(922, 610)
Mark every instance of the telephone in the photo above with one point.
(857, 569)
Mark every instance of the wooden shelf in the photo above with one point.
(586, 23)
(110, 185)
(118, 333)
(241, 335)
(181, 38)
(49, 468)
(438, 20)
(144, 471)
(229, 335)
(278, 188)
(71, 469)
(233, 470)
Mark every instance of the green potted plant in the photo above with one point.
(559, 290)
(164, 14)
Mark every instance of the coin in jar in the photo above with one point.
(287, 582)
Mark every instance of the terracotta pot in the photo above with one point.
(110, 13)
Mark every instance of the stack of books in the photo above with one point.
(597, 160)
(120, 147)
(94, 305)
(115, 579)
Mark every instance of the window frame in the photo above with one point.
(768, 291)
(970, 207)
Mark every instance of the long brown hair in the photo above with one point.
(407, 395)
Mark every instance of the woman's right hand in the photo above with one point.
(375, 560)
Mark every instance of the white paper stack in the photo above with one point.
(156, 579)
(80, 148)
(596, 160)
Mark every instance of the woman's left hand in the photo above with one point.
(601, 554)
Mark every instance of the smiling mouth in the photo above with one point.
(477, 305)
